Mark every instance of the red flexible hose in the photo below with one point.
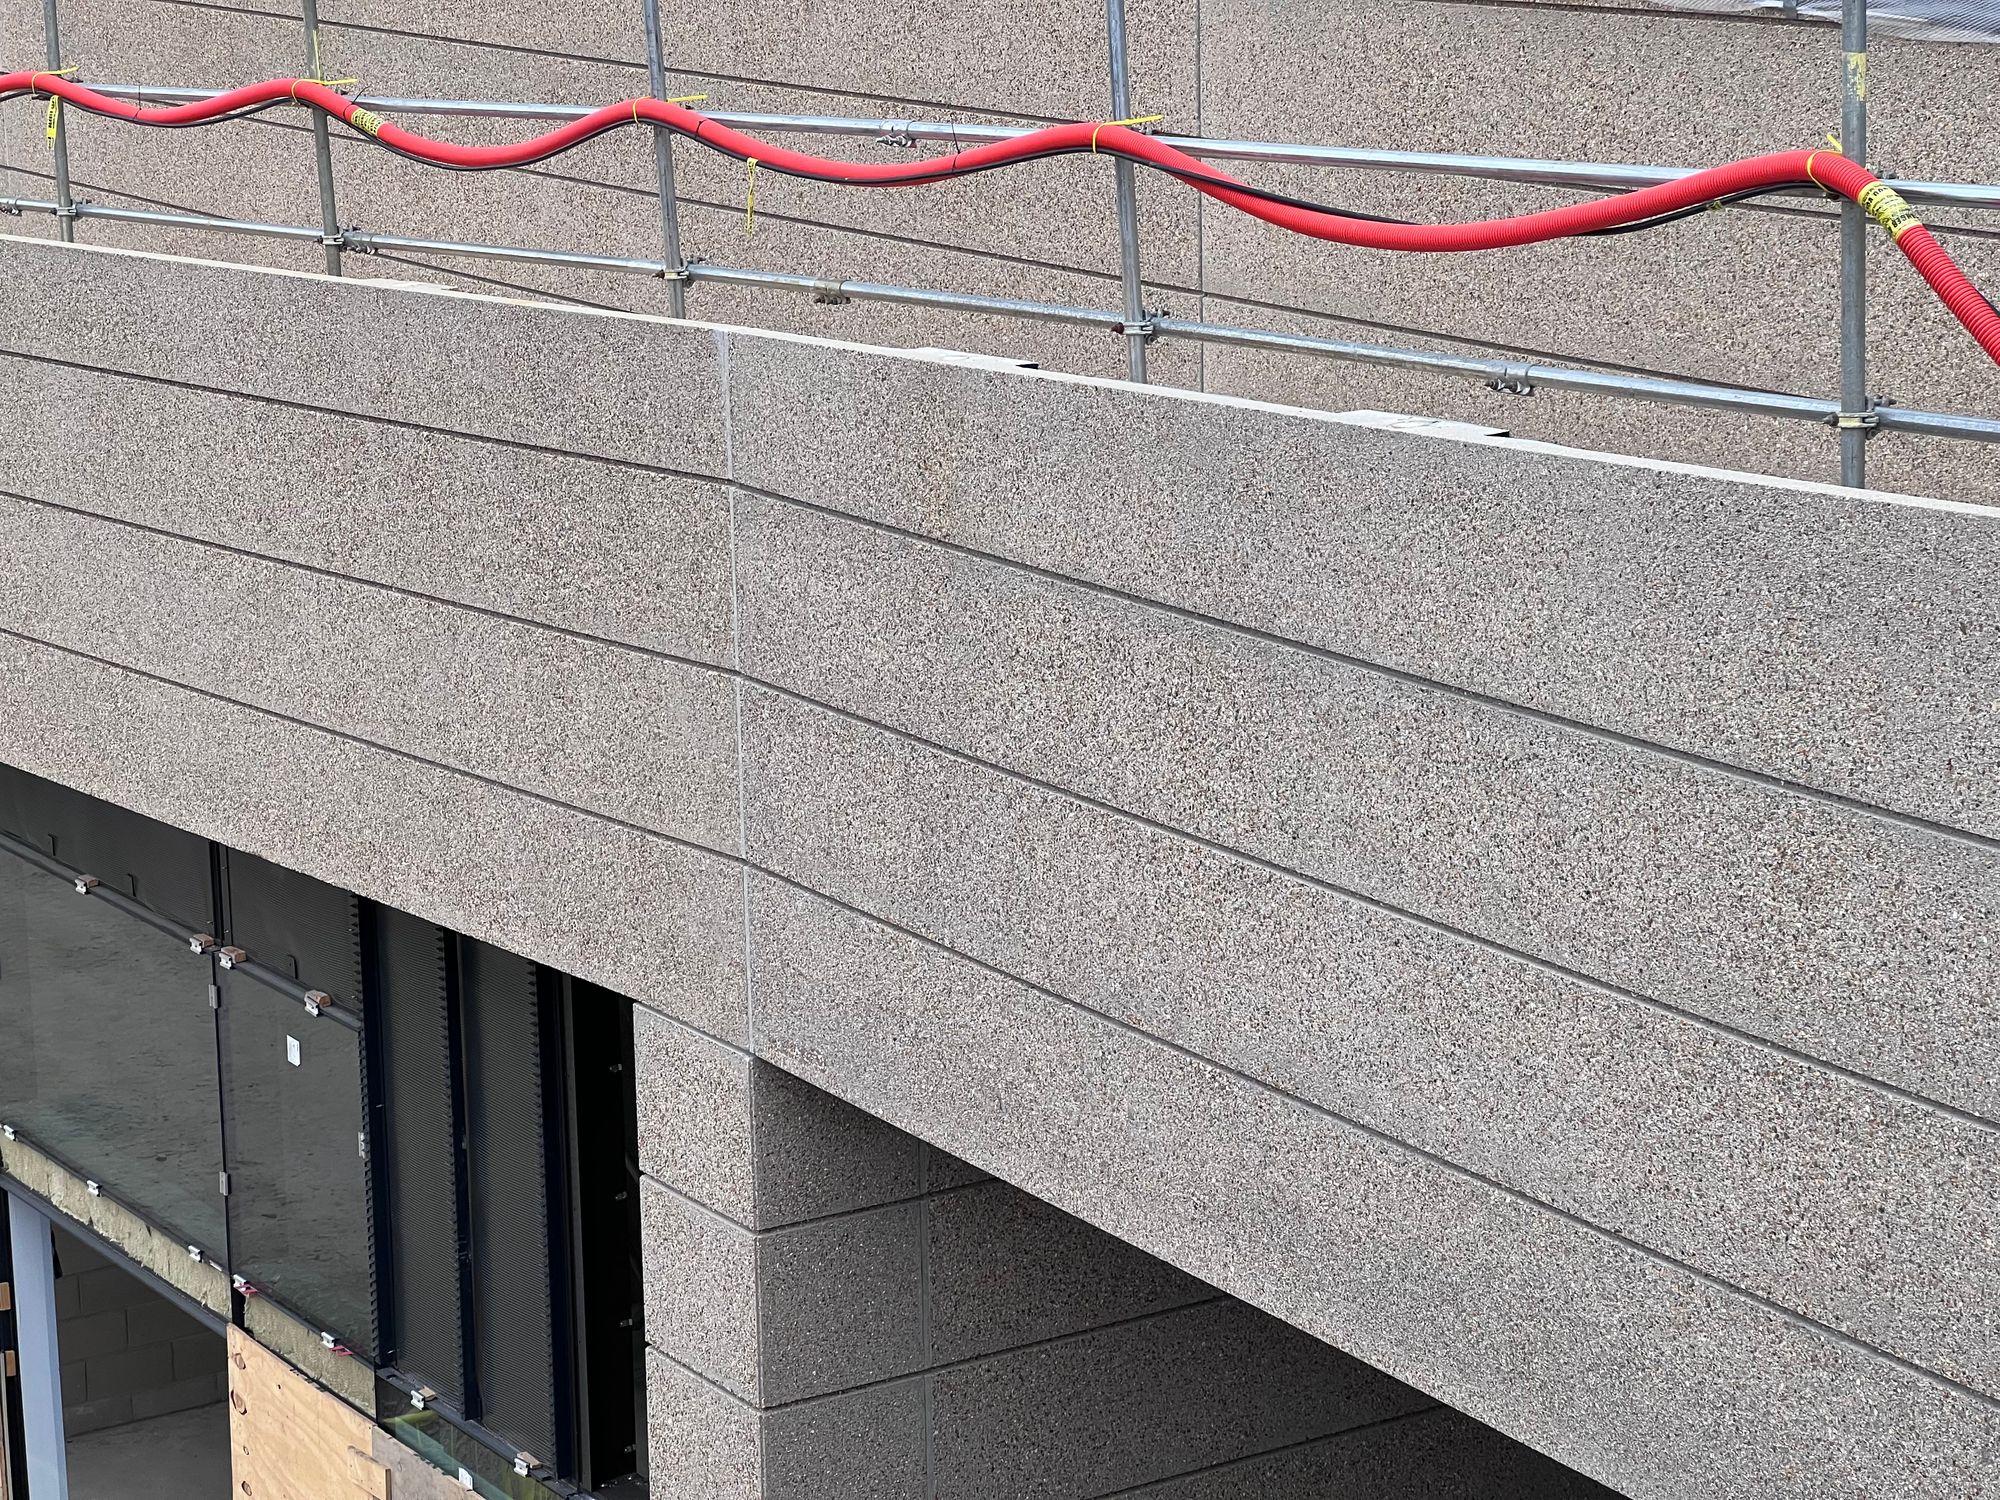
(1824, 169)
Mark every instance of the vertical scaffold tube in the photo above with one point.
(663, 168)
(1854, 248)
(1128, 199)
(329, 210)
(59, 128)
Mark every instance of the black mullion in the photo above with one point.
(468, 1332)
(553, 1004)
(375, 1114)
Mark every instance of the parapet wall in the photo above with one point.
(1748, 296)
(1521, 916)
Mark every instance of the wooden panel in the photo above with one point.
(290, 1440)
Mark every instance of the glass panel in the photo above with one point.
(109, 1051)
(298, 1202)
(160, 866)
(297, 925)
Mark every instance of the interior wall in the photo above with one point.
(127, 1352)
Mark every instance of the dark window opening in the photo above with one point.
(435, 1165)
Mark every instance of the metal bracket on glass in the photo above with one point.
(8, 1132)
(422, 1396)
(242, 1287)
(526, 1464)
(92, 1188)
(85, 884)
(194, 1254)
(200, 942)
(229, 958)
(328, 1341)
(315, 999)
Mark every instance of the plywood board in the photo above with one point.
(290, 1440)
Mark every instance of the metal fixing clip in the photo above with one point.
(194, 1254)
(1866, 419)
(901, 133)
(200, 942)
(1515, 380)
(85, 884)
(830, 291)
(7, 1131)
(523, 1462)
(92, 1188)
(316, 1000)
(229, 958)
(422, 1396)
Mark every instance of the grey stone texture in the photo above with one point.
(1828, 638)
(1438, 1454)
(702, 1288)
(1703, 1145)
(1849, 937)
(494, 525)
(1007, 1269)
(965, 1339)
(600, 727)
(1600, 1354)
(478, 365)
(1656, 1249)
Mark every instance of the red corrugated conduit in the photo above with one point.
(1636, 210)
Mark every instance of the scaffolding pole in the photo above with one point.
(329, 211)
(1856, 409)
(1136, 329)
(59, 128)
(1513, 376)
(663, 168)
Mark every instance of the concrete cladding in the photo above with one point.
(1518, 916)
(1748, 296)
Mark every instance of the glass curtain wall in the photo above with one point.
(370, 1120)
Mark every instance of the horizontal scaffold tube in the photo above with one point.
(1640, 209)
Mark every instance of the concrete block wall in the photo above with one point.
(835, 1308)
(127, 1352)
(1748, 296)
(1519, 916)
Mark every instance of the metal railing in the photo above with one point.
(1855, 415)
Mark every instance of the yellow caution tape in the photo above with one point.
(55, 116)
(1107, 124)
(1888, 208)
